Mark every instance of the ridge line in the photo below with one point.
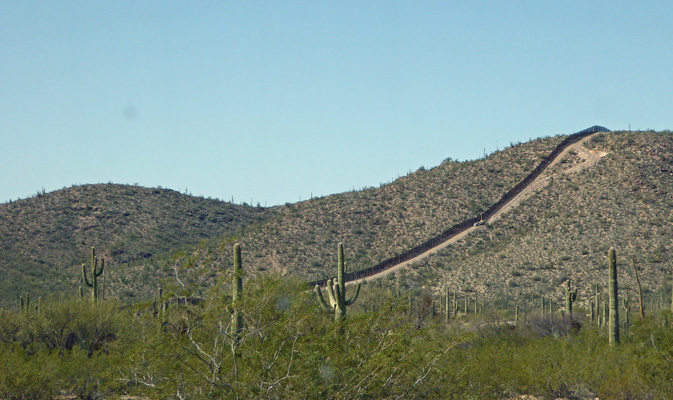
(461, 227)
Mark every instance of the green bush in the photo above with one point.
(289, 348)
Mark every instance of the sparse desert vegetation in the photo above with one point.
(288, 347)
(486, 317)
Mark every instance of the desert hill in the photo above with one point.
(622, 197)
(44, 238)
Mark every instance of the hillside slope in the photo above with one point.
(622, 196)
(378, 223)
(44, 238)
(616, 190)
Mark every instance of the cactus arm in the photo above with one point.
(321, 300)
(340, 301)
(340, 308)
(355, 295)
(331, 294)
(102, 267)
(86, 280)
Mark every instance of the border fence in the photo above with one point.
(462, 226)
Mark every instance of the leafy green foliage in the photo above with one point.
(289, 349)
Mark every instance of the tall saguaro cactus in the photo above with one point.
(160, 305)
(336, 290)
(447, 316)
(237, 321)
(95, 273)
(614, 301)
(627, 310)
(598, 307)
(640, 289)
(571, 296)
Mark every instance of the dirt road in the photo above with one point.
(588, 158)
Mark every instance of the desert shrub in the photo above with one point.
(290, 348)
(27, 376)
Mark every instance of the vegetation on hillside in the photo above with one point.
(45, 238)
(563, 231)
(625, 199)
(379, 223)
(484, 318)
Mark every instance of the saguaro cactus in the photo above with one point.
(614, 301)
(571, 296)
(95, 273)
(598, 307)
(640, 289)
(447, 306)
(410, 303)
(336, 290)
(160, 304)
(237, 319)
(627, 309)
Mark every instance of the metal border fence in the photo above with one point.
(462, 226)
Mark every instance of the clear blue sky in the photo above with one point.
(275, 100)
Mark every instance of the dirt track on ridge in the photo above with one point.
(589, 158)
